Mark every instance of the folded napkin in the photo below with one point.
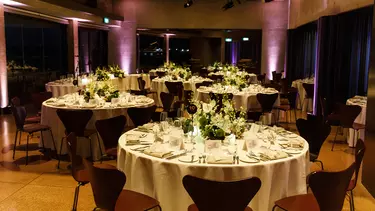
(219, 159)
(157, 154)
(273, 155)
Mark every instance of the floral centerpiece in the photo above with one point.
(102, 89)
(116, 71)
(176, 71)
(217, 119)
(12, 66)
(102, 74)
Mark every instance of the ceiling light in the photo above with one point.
(245, 38)
(228, 5)
(228, 39)
(188, 3)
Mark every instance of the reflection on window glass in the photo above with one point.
(180, 50)
(151, 51)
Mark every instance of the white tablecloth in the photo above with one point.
(49, 117)
(130, 82)
(162, 179)
(353, 136)
(245, 100)
(159, 86)
(307, 106)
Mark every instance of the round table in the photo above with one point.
(252, 77)
(162, 178)
(158, 85)
(302, 94)
(353, 136)
(244, 100)
(49, 117)
(130, 82)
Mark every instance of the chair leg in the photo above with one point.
(334, 140)
(352, 208)
(76, 195)
(54, 144)
(321, 163)
(295, 115)
(15, 143)
(27, 149)
(100, 148)
(92, 157)
(41, 136)
(19, 141)
(58, 164)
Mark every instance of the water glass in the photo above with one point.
(170, 121)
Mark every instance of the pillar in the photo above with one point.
(73, 51)
(166, 40)
(274, 36)
(3, 62)
(122, 49)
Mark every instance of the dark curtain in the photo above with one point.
(301, 53)
(344, 50)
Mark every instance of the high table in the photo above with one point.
(162, 178)
(158, 85)
(302, 94)
(129, 82)
(49, 117)
(353, 136)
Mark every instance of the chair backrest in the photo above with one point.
(141, 116)
(309, 88)
(197, 85)
(107, 183)
(261, 78)
(276, 76)
(152, 77)
(39, 98)
(314, 131)
(274, 85)
(77, 164)
(15, 101)
(167, 100)
(329, 188)
(207, 83)
(74, 121)
(221, 196)
(160, 73)
(292, 97)
(110, 130)
(360, 150)
(348, 114)
(141, 83)
(19, 114)
(266, 101)
(284, 85)
(175, 88)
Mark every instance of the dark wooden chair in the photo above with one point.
(142, 87)
(175, 88)
(204, 83)
(276, 77)
(169, 108)
(110, 131)
(79, 173)
(360, 150)
(274, 86)
(221, 196)
(107, 184)
(291, 97)
(141, 116)
(15, 101)
(261, 78)
(75, 121)
(39, 98)
(346, 115)
(161, 74)
(309, 89)
(267, 101)
(19, 114)
(329, 191)
(315, 132)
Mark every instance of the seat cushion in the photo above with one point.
(33, 119)
(82, 176)
(133, 201)
(305, 202)
(194, 207)
(31, 128)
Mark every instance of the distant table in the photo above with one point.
(353, 136)
(302, 94)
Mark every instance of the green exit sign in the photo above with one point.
(105, 20)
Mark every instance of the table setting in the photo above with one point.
(244, 98)
(102, 98)
(217, 145)
(353, 136)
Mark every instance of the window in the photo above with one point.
(151, 51)
(180, 50)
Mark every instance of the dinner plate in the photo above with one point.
(292, 151)
(246, 159)
(187, 159)
(292, 136)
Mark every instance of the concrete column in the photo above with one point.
(274, 35)
(73, 50)
(3, 62)
(166, 40)
(122, 49)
